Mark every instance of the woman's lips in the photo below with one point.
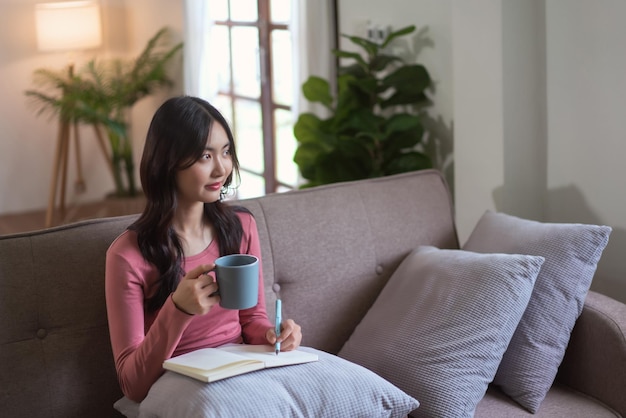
(214, 186)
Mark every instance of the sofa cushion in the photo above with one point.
(330, 387)
(571, 251)
(441, 324)
(561, 401)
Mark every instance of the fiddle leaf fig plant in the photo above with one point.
(374, 126)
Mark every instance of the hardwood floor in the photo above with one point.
(34, 220)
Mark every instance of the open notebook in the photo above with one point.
(212, 364)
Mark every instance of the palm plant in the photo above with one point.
(102, 93)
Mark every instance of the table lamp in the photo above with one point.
(66, 26)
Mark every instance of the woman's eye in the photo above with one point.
(206, 156)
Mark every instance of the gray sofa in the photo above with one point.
(344, 239)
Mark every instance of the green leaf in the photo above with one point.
(117, 128)
(365, 121)
(307, 157)
(401, 97)
(316, 89)
(352, 55)
(396, 34)
(380, 62)
(410, 161)
(353, 149)
(414, 78)
(408, 84)
(306, 127)
(335, 167)
(354, 93)
(350, 98)
(401, 142)
(369, 141)
(402, 122)
(354, 70)
(311, 129)
(370, 47)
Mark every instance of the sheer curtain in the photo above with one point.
(198, 79)
(313, 37)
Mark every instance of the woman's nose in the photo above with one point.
(218, 167)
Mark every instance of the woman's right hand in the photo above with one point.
(195, 294)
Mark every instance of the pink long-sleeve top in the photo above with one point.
(142, 340)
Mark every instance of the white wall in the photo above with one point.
(478, 108)
(558, 73)
(586, 90)
(27, 141)
(499, 109)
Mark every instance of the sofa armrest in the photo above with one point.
(595, 361)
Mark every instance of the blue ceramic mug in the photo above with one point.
(237, 276)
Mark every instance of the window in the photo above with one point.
(251, 53)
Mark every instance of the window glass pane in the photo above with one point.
(224, 105)
(244, 10)
(218, 9)
(246, 72)
(281, 67)
(281, 10)
(220, 47)
(286, 169)
(251, 186)
(249, 135)
(283, 189)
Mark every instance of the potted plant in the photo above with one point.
(374, 125)
(102, 94)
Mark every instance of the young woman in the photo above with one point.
(160, 296)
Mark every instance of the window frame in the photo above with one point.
(266, 101)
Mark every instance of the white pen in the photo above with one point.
(278, 322)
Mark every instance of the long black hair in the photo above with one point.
(176, 139)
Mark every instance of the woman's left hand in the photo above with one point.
(290, 335)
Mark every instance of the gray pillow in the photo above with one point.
(331, 387)
(572, 251)
(441, 324)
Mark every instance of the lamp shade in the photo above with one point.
(70, 25)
